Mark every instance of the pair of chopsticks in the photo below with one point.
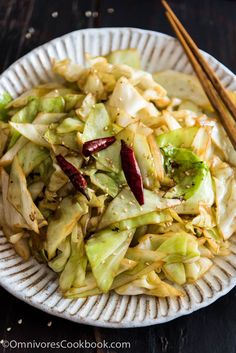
(215, 91)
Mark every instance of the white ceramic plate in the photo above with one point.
(34, 283)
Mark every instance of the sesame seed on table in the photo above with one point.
(26, 24)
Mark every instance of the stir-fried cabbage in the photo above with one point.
(105, 250)
(116, 178)
(126, 97)
(128, 57)
(191, 177)
(5, 99)
(61, 225)
(20, 197)
(124, 206)
(182, 137)
(150, 284)
(225, 187)
(75, 268)
(182, 86)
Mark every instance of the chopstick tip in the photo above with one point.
(164, 3)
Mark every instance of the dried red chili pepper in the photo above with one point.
(97, 145)
(132, 172)
(73, 174)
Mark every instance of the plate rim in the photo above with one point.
(120, 325)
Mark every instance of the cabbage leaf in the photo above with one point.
(105, 250)
(20, 198)
(75, 268)
(225, 194)
(125, 206)
(63, 222)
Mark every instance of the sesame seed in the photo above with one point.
(110, 10)
(31, 30)
(108, 160)
(49, 324)
(88, 13)
(188, 186)
(54, 14)
(9, 329)
(187, 173)
(20, 321)
(125, 210)
(95, 14)
(105, 128)
(2, 341)
(122, 197)
(28, 35)
(147, 263)
(131, 203)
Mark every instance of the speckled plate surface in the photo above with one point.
(37, 285)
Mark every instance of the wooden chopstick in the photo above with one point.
(204, 64)
(208, 87)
